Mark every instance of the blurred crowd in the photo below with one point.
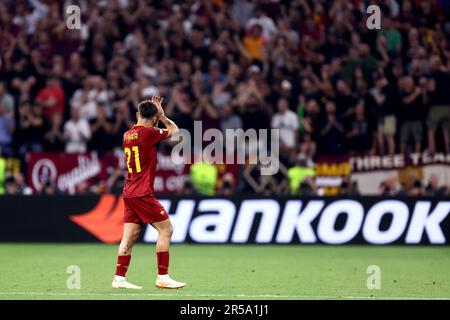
(309, 68)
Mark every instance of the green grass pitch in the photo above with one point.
(237, 272)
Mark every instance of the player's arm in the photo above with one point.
(170, 126)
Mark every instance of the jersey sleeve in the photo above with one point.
(155, 135)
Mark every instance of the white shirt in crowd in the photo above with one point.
(268, 26)
(77, 134)
(88, 107)
(287, 122)
(29, 21)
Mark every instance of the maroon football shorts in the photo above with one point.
(145, 209)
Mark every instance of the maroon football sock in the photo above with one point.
(163, 262)
(123, 261)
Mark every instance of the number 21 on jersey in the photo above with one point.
(137, 163)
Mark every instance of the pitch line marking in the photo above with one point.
(216, 295)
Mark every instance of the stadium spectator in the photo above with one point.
(30, 14)
(122, 121)
(187, 189)
(6, 129)
(11, 186)
(6, 99)
(15, 185)
(49, 188)
(265, 185)
(385, 95)
(439, 114)
(204, 177)
(229, 119)
(287, 122)
(308, 113)
(54, 136)
(392, 35)
(76, 133)
(227, 185)
(101, 128)
(298, 173)
(331, 131)
(30, 133)
(51, 98)
(432, 187)
(254, 43)
(268, 27)
(411, 114)
(417, 189)
(391, 187)
(345, 99)
(348, 188)
(308, 187)
(99, 187)
(362, 133)
(116, 181)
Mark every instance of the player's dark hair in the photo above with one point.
(147, 109)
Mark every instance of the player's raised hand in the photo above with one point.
(157, 101)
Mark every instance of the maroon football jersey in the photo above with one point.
(139, 145)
